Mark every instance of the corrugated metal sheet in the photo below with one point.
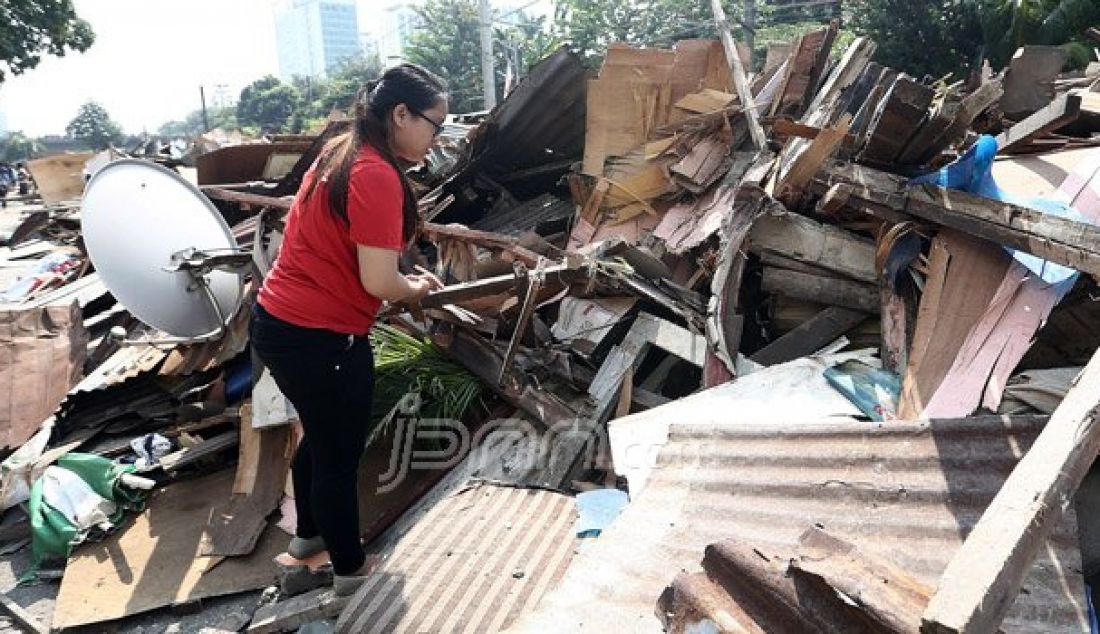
(528, 216)
(541, 123)
(909, 492)
(474, 563)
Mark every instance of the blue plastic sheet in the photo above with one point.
(598, 509)
(972, 173)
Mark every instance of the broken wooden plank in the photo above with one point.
(289, 615)
(897, 120)
(939, 119)
(1063, 110)
(790, 185)
(984, 577)
(206, 449)
(815, 333)
(533, 282)
(456, 293)
(963, 277)
(822, 245)
(234, 528)
(821, 289)
(705, 101)
(894, 347)
(744, 94)
(805, 65)
(1029, 80)
(971, 106)
(1065, 241)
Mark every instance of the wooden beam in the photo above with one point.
(809, 241)
(1062, 111)
(744, 94)
(245, 198)
(970, 107)
(456, 293)
(894, 348)
(897, 119)
(534, 282)
(485, 239)
(821, 289)
(794, 180)
(205, 449)
(984, 577)
(810, 336)
(1069, 242)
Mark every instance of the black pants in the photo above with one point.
(329, 377)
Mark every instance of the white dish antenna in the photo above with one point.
(162, 249)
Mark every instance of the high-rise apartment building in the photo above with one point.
(313, 36)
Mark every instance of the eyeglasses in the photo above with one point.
(437, 126)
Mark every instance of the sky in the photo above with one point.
(151, 56)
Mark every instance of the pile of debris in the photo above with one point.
(806, 320)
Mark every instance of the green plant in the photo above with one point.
(407, 365)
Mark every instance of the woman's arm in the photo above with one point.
(379, 275)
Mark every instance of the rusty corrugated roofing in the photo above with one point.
(539, 127)
(906, 491)
(474, 563)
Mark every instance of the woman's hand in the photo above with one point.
(422, 284)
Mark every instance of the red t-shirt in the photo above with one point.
(315, 280)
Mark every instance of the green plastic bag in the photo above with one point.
(54, 532)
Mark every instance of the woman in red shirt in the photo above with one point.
(338, 262)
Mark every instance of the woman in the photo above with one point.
(338, 262)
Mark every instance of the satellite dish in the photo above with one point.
(162, 249)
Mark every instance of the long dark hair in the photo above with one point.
(408, 84)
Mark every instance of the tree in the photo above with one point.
(17, 146)
(94, 127)
(30, 29)
(1009, 24)
(344, 82)
(447, 45)
(589, 26)
(192, 125)
(267, 104)
(920, 38)
(963, 32)
(523, 43)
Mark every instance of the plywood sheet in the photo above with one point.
(965, 273)
(60, 177)
(154, 562)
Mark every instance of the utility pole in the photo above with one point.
(205, 121)
(488, 80)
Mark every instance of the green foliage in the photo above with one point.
(936, 38)
(919, 38)
(1009, 24)
(94, 127)
(406, 365)
(525, 43)
(30, 29)
(17, 146)
(267, 104)
(192, 124)
(338, 91)
(589, 26)
(448, 44)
